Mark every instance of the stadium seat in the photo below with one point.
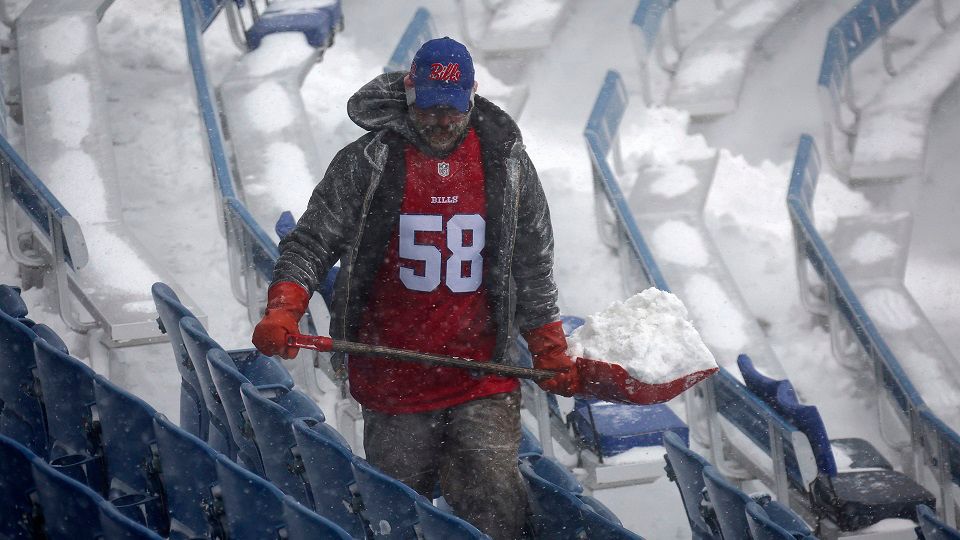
(763, 528)
(316, 22)
(609, 429)
(528, 442)
(762, 386)
(70, 509)
(389, 505)
(600, 527)
(126, 426)
(116, 526)
(198, 343)
(11, 302)
(729, 505)
(552, 471)
(302, 524)
(932, 527)
(253, 507)
(327, 462)
(67, 389)
(556, 513)
(272, 421)
(685, 467)
(189, 471)
(228, 381)
(193, 412)
(17, 519)
(599, 508)
(435, 523)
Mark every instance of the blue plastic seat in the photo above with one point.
(435, 523)
(11, 302)
(599, 508)
(730, 503)
(763, 528)
(193, 412)
(17, 520)
(552, 471)
(609, 429)
(933, 528)
(253, 507)
(22, 415)
(528, 442)
(228, 381)
(601, 527)
(557, 514)
(67, 389)
(70, 509)
(317, 25)
(762, 386)
(117, 526)
(188, 467)
(327, 461)
(302, 524)
(685, 467)
(272, 421)
(126, 426)
(198, 343)
(389, 505)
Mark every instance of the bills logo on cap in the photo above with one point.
(445, 73)
(443, 169)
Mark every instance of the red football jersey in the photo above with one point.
(429, 295)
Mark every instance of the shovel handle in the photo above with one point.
(326, 344)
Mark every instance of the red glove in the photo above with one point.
(548, 346)
(286, 303)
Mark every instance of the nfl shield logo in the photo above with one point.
(443, 169)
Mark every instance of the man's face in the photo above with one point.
(441, 128)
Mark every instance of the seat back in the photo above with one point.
(556, 513)
(193, 412)
(933, 528)
(435, 523)
(70, 509)
(198, 343)
(807, 419)
(67, 389)
(188, 467)
(728, 502)
(764, 387)
(16, 484)
(261, 369)
(688, 467)
(253, 507)
(228, 381)
(326, 462)
(302, 524)
(126, 426)
(272, 423)
(389, 505)
(600, 527)
(528, 442)
(552, 471)
(117, 526)
(11, 303)
(762, 527)
(21, 409)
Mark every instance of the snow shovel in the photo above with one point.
(600, 380)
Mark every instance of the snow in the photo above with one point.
(268, 108)
(679, 243)
(890, 309)
(69, 109)
(649, 334)
(674, 181)
(70, 44)
(77, 168)
(873, 247)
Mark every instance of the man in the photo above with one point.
(443, 234)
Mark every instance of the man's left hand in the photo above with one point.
(548, 346)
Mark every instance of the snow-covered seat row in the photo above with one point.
(512, 25)
(883, 326)
(317, 20)
(68, 141)
(422, 29)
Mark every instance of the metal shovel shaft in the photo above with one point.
(324, 344)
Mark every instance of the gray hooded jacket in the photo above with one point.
(354, 211)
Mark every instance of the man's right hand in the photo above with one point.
(286, 304)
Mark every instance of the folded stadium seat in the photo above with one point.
(22, 415)
(840, 495)
(228, 380)
(860, 453)
(435, 523)
(763, 528)
(313, 18)
(188, 467)
(17, 517)
(66, 386)
(685, 467)
(272, 422)
(70, 509)
(552, 471)
(193, 412)
(253, 507)
(116, 526)
(599, 508)
(932, 527)
(327, 461)
(609, 429)
(729, 505)
(126, 427)
(389, 505)
(11, 302)
(528, 442)
(302, 524)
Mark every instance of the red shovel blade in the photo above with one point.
(610, 382)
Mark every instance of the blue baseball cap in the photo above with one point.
(442, 75)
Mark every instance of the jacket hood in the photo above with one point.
(381, 104)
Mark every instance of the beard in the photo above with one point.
(442, 139)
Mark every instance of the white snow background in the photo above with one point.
(169, 197)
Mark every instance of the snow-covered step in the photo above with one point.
(516, 25)
(872, 247)
(891, 141)
(712, 69)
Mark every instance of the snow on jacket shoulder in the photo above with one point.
(354, 211)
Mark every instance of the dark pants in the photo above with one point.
(470, 449)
